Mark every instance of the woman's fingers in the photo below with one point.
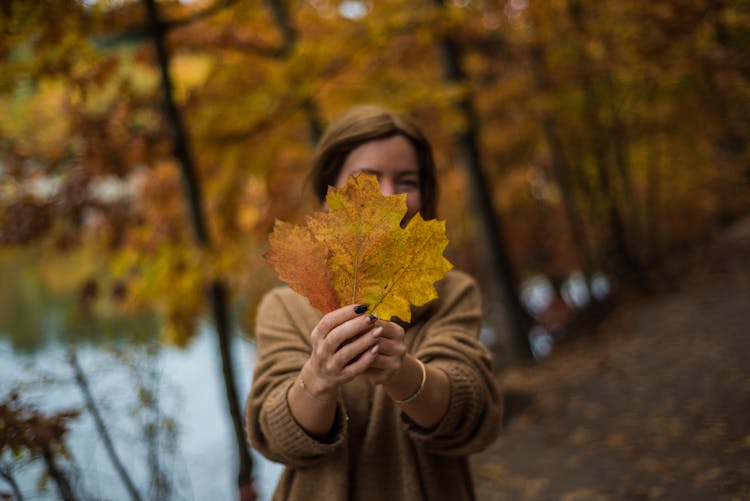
(392, 331)
(323, 345)
(344, 344)
(347, 343)
(390, 347)
(385, 361)
(391, 352)
(337, 317)
(361, 364)
(347, 332)
(392, 340)
(350, 351)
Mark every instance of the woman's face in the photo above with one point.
(394, 161)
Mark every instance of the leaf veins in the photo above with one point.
(300, 261)
(368, 258)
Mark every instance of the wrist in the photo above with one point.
(315, 386)
(409, 382)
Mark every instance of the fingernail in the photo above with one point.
(376, 331)
(372, 318)
(374, 350)
(360, 308)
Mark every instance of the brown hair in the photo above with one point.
(360, 125)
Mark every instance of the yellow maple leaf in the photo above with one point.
(371, 258)
(359, 225)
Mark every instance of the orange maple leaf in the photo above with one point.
(300, 261)
(371, 259)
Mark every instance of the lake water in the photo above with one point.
(164, 406)
(197, 455)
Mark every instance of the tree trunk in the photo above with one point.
(601, 136)
(491, 224)
(285, 25)
(653, 191)
(8, 476)
(101, 427)
(559, 163)
(61, 481)
(217, 289)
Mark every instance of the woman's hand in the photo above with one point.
(422, 391)
(344, 345)
(390, 356)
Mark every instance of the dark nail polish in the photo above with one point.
(372, 318)
(359, 309)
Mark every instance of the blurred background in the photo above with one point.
(146, 148)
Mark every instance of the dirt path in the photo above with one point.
(656, 405)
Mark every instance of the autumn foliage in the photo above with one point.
(358, 253)
(26, 434)
(610, 133)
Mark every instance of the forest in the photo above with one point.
(147, 147)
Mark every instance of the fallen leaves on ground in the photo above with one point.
(653, 406)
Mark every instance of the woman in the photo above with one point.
(363, 408)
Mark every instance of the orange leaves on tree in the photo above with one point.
(358, 253)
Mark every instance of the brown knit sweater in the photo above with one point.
(375, 452)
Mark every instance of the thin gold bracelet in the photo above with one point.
(301, 383)
(419, 390)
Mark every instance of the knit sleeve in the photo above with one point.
(451, 343)
(283, 348)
